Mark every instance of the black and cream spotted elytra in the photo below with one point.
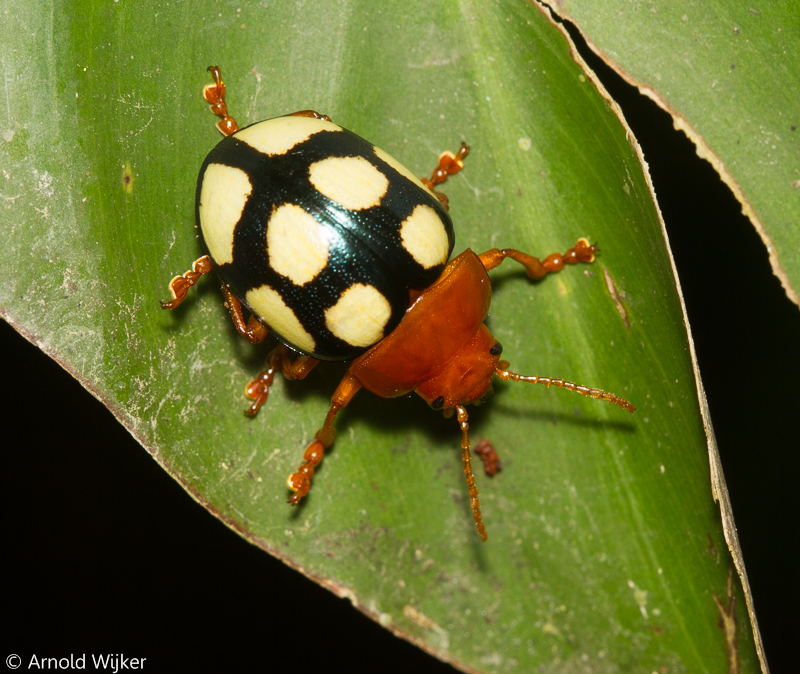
(341, 252)
(319, 233)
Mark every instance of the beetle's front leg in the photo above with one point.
(474, 501)
(583, 251)
(300, 482)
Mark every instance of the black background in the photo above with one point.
(106, 553)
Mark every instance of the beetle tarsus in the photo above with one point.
(179, 286)
(280, 358)
(258, 390)
(300, 482)
(449, 165)
(583, 251)
(215, 95)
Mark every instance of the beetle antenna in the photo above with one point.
(596, 393)
(474, 501)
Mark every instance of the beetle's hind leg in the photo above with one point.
(280, 358)
(449, 165)
(300, 482)
(180, 285)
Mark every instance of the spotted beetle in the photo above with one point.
(342, 253)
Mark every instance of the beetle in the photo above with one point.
(342, 253)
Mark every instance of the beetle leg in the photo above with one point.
(252, 331)
(215, 95)
(300, 482)
(474, 501)
(180, 285)
(583, 251)
(279, 358)
(449, 164)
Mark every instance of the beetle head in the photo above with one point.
(467, 376)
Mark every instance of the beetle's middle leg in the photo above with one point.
(280, 358)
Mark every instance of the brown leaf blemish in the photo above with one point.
(419, 618)
(727, 623)
(615, 295)
(712, 549)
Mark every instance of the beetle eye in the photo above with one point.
(438, 403)
(497, 349)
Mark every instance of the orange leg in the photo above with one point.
(180, 285)
(279, 359)
(215, 95)
(252, 331)
(474, 501)
(300, 482)
(449, 165)
(582, 251)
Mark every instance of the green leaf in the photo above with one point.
(605, 547)
(727, 73)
